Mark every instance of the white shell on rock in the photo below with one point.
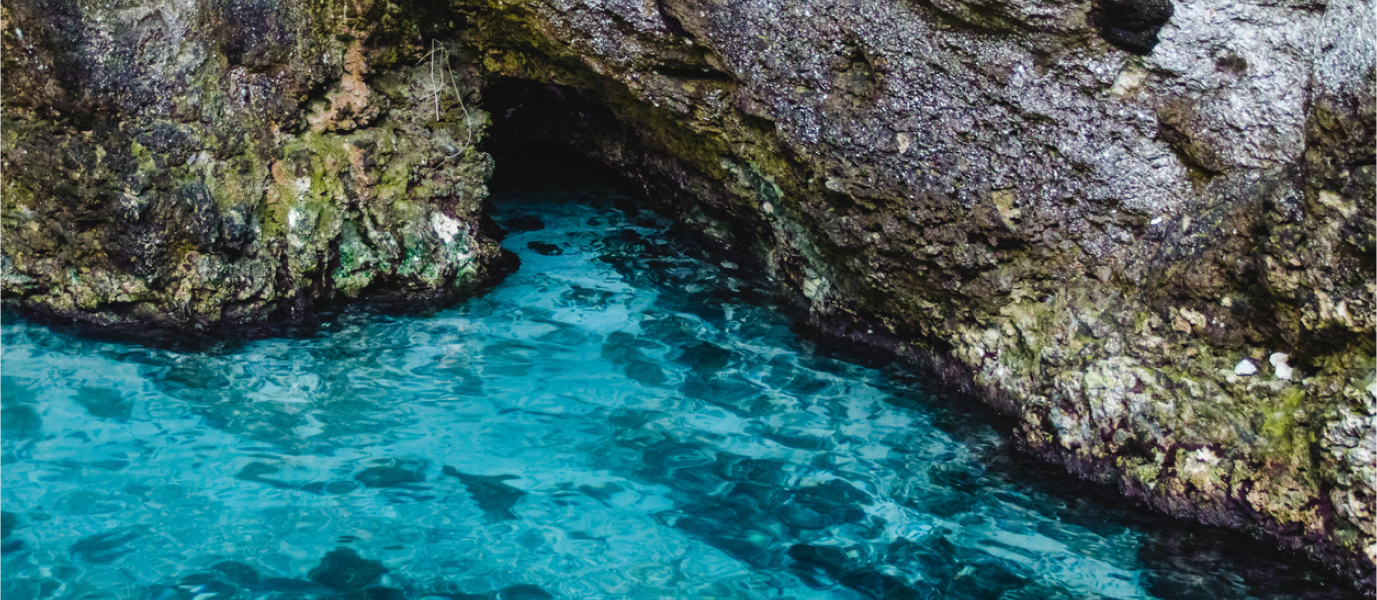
(1279, 366)
(1245, 368)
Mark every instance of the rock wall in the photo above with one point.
(1150, 239)
(1144, 229)
(235, 164)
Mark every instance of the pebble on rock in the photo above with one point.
(1245, 368)
(1279, 366)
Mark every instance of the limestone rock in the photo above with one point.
(1279, 366)
(1245, 368)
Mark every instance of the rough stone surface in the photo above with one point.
(198, 164)
(1093, 239)
(1089, 213)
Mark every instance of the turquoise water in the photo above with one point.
(620, 418)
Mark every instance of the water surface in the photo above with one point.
(621, 418)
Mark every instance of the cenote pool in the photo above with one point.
(620, 418)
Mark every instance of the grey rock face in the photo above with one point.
(1098, 237)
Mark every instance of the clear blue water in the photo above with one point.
(615, 420)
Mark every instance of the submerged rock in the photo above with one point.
(104, 547)
(344, 569)
(524, 592)
(545, 249)
(8, 523)
(493, 496)
(383, 477)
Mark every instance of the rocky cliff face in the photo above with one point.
(1145, 229)
(234, 164)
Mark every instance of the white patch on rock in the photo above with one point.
(1335, 201)
(904, 142)
(444, 226)
(1245, 368)
(814, 288)
(1278, 360)
(1194, 318)
(1198, 466)
(1129, 81)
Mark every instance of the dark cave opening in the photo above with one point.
(535, 134)
(544, 132)
(547, 138)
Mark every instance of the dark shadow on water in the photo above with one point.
(228, 340)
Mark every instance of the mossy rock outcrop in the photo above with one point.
(214, 165)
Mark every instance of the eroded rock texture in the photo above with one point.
(1144, 228)
(201, 164)
(1095, 239)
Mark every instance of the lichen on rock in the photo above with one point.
(253, 162)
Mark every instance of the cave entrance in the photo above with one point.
(541, 138)
(544, 134)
